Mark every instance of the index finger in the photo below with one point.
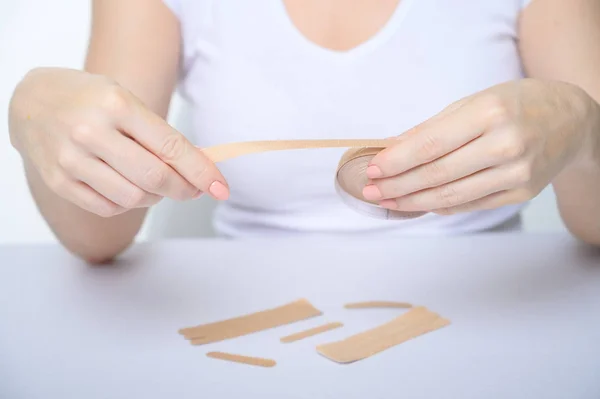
(175, 150)
(432, 139)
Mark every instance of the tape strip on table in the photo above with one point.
(250, 323)
(378, 304)
(417, 321)
(350, 177)
(253, 361)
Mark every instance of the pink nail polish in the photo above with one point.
(198, 195)
(371, 193)
(218, 190)
(373, 172)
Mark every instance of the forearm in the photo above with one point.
(559, 41)
(577, 189)
(90, 237)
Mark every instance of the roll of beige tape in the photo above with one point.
(350, 177)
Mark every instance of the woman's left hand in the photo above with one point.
(498, 147)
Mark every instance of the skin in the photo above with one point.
(95, 146)
(563, 45)
(505, 144)
(98, 152)
(339, 25)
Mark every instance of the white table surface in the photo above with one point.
(525, 312)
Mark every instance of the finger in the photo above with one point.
(136, 164)
(85, 197)
(492, 201)
(449, 109)
(173, 148)
(482, 153)
(456, 193)
(431, 140)
(110, 184)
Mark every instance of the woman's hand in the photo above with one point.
(96, 145)
(498, 147)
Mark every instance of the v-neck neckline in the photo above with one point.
(363, 48)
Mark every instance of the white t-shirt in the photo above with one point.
(250, 74)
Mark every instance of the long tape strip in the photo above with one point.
(350, 177)
(223, 152)
(251, 323)
(415, 322)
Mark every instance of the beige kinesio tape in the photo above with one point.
(350, 177)
(251, 323)
(254, 361)
(415, 322)
(311, 332)
(378, 304)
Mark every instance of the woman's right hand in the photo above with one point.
(96, 145)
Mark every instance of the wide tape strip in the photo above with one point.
(350, 177)
(250, 323)
(415, 322)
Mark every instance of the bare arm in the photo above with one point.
(136, 43)
(560, 40)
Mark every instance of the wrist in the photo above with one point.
(595, 134)
(20, 109)
(15, 117)
(589, 154)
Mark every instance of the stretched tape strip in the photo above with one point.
(350, 176)
(415, 322)
(251, 323)
(254, 361)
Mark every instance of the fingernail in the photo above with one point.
(373, 172)
(218, 190)
(198, 195)
(371, 193)
(406, 204)
(388, 204)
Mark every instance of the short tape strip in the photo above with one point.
(251, 323)
(415, 322)
(350, 177)
(311, 332)
(254, 361)
(378, 304)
